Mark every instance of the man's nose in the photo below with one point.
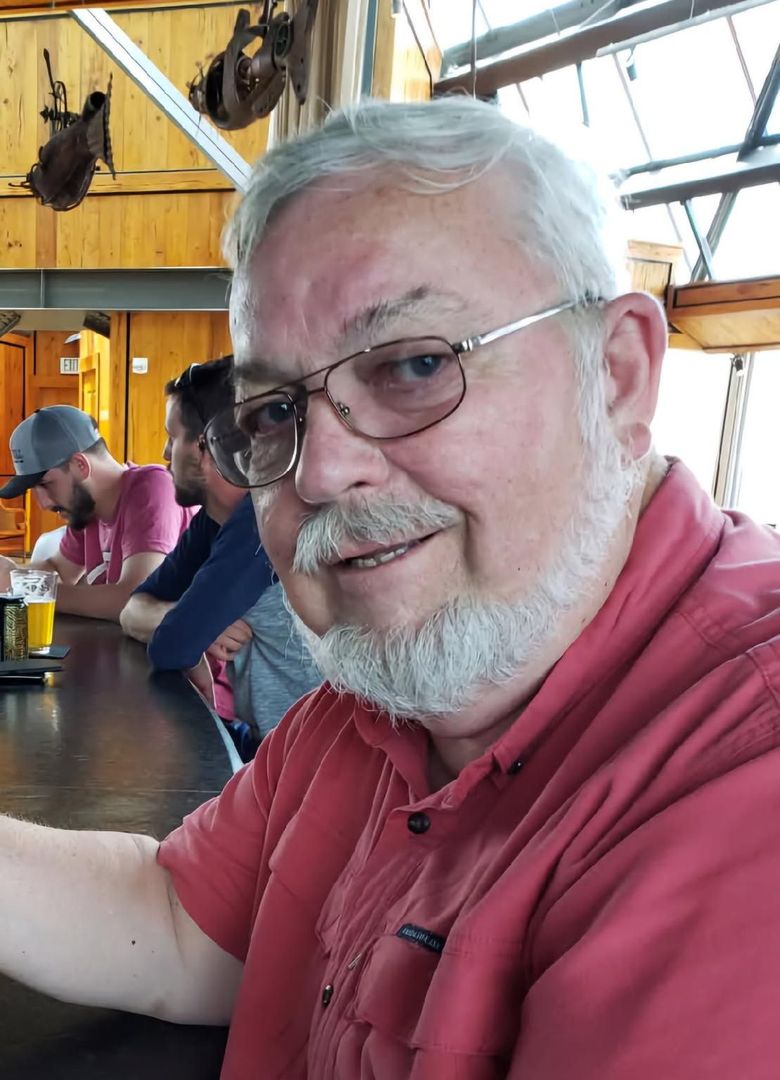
(44, 501)
(334, 459)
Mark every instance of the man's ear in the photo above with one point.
(80, 466)
(208, 468)
(635, 345)
(203, 450)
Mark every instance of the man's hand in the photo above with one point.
(6, 566)
(230, 641)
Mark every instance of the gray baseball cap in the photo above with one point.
(46, 440)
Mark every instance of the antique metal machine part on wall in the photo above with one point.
(238, 88)
(61, 176)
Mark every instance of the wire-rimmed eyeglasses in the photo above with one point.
(388, 391)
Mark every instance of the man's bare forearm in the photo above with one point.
(93, 601)
(91, 918)
(142, 614)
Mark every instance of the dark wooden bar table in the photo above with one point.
(104, 746)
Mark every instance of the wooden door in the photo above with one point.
(89, 385)
(12, 355)
(46, 386)
(161, 345)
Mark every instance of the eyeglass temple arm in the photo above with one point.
(503, 331)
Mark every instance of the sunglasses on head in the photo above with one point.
(186, 382)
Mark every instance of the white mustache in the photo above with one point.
(324, 534)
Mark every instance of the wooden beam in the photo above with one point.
(712, 177)
(163, 181)
(503, 39)
(741, 316)
(579, 45)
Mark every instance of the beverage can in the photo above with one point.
(13, 628)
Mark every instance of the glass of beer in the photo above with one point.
(39, 589)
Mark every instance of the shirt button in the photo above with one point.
(327, 994)
(515, 767)
(418, 823)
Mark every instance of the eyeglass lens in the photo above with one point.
(387, 392)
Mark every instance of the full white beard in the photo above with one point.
(439, 668)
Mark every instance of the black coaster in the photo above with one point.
(28, 667)
(53, 652)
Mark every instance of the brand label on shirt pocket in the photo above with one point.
(420, 936)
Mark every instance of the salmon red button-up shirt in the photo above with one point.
(596, 897)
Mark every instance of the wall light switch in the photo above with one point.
(140, 365)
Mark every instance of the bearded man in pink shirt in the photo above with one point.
(123, 519)
(530, 826)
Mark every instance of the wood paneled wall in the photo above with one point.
(401, 73)
(115, 427)
(127, 231)
(168, 204)
(169, 341)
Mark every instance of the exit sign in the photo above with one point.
(69, 365)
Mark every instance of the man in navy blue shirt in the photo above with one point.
(193, 603)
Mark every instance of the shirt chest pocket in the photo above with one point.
(464, 1000)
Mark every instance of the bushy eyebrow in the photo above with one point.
(255, 369)
(369, 326)
(377, 319)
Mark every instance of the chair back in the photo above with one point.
(11, 529)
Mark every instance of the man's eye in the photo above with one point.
(419, 367)
(409, 372)
(265, 418)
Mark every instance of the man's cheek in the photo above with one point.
(265, 502)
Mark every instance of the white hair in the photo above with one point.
(566, 213)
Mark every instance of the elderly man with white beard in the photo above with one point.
(530, 825)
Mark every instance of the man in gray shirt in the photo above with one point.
(274, 668)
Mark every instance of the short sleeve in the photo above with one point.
(213, 860)
(218, 857)
(72, 547)
(152, 519)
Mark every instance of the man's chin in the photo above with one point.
(187, 496)
(77, 524)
